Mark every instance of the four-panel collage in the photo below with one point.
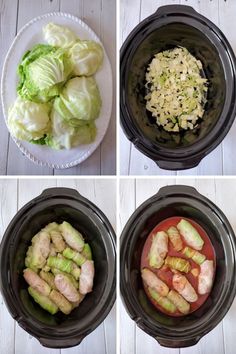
(117, 177)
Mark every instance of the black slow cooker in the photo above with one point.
(168, 27)
(58, 204)
(186, 202)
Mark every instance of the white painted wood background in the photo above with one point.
(100, 15)
(13, 195)
(220, 161)
(133, 193)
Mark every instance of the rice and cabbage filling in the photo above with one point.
(176, 90)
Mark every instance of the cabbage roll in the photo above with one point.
(178, 263)
(190, 235)
(196, 256)
(152, 281)
(86, 277)
(205, 279)
(63, 304)
(43, 301)
(175, 238)
(181, 304)
(34, 280)
(66, 288)
(163, 301)
(158, 250)
(184, 288)
(48, 277)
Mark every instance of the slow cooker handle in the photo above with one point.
(177, 343)
(52, 192)
(178, 165)
(61, 343)
(181, 189)
(164, 10)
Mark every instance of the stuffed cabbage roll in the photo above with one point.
(57, 240)
(205, 279)
(72, 237)
(163, 301)
(60, 300)
(182, 305)
(86, 277)
(178, 263)
(40, 249)
(152, 281)
(158, 250)
(190, 235)
(184, 288)
(175, 238)
(66, 288)
(43, 301)
(196, 256)
(34, 280)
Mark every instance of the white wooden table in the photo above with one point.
(13, 195)
(133, 193)
(100, 15)
(220, 161)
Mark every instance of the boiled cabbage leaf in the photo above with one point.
(42, 72)
(80, 100)
(87, 57)
(58, 36)
(29, 120)
(65, 136)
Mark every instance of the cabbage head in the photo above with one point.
(87, 57)
(65, 136)
(43, 71)
(58, 36)
(28, 120)
(79, 101)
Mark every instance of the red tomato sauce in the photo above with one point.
(166, 274)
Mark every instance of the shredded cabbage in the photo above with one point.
(176, 90)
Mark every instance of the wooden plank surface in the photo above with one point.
(100, 15)
(132, 194)
(218, 162)
(13, 195)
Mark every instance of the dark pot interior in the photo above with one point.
(163, 38)
(186, 330)
(59, 330)
(171, 26)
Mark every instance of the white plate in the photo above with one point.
(30, 35)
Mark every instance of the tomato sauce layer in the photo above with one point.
(166, 274)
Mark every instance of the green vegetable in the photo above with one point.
(63, 135)
(63, 304)
(43, 301)
(69, 276)
(72, 237)
(77, 257)
(48, 277)
(79, 100)
(164, 302)
(64, 265)
(87, 57)
(42, 72)
(181, 304)
(196, 256)
(176, 91)
(40, 250)
(178, 263)
(190, 235)
(87, 252)
(28, 120)
(58, 36)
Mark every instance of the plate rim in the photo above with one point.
(24, 150)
